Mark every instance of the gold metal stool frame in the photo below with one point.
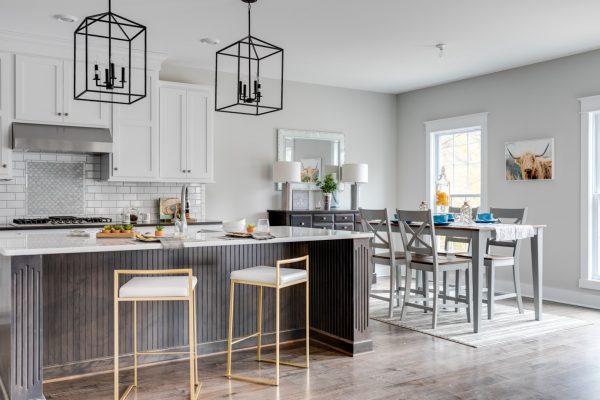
(195, 384)
(277, 286)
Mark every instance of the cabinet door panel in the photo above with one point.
(6, 90)
(199, 136)
(82, 112)
(173, 133)
(39, 89)
(135, 136)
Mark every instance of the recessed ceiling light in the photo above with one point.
(211, 41)
(66, 18)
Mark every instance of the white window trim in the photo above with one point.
(448, 125)
(588, 106)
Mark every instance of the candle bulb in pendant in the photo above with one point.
(239, 89)
(244, 96)
(255, 87)
(96, 77)
(112, 72)
(122, 74)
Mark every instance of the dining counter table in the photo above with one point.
(479, 233)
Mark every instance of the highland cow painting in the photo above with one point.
(529, 160)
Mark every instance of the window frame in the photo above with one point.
(590, 106)
(454, 125)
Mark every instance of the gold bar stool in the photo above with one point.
(156, 288)
(271, 277)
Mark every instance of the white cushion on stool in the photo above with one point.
(159, 286)
(268, 275)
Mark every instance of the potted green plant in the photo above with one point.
(328, 186)
(107, 229)
(159, 230)
(116, 229)
(127, 228)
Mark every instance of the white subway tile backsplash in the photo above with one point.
(100, 197)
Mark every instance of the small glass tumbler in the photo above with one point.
(263, 226)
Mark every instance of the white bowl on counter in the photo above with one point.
(235, 226)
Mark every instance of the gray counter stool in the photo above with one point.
(493, 259)
(418, 236)
(383, 252)
(267, 277)
(156, 288)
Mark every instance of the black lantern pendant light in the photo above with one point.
(111, 38)
(250, 59)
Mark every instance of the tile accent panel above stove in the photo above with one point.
(55, 188)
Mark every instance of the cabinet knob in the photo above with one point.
(4, 165)
(189, 170)
(301, 223)
(59, 113)
(183, 170)
(66, 114)
(116, 168)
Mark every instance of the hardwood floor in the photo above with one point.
(404, 364)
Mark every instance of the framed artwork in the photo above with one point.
(168, 208)
(300, 200)
(311, 170)
(529, 160)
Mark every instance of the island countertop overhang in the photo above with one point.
(34, 243)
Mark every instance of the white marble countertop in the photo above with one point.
(21, 243)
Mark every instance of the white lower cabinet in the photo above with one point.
(186, 133)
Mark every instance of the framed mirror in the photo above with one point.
(320, 153)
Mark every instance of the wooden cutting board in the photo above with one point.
(120, 235)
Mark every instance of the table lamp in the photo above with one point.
(355, 174)
(286, 172)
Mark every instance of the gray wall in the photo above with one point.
(246, 146)
(535, 101)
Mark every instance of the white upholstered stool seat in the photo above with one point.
(268, 275)
(160, 286)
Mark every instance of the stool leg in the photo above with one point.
(277, 336)
(135, 348)
(259, 322)
(191, 344)
(116, 339)
(230, 327)
(196, 339)
(307, 324)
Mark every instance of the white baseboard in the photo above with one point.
(554, 294)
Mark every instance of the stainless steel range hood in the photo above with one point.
(61, 138)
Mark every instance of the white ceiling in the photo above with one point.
(378, 45)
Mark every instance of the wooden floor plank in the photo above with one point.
(404, 364)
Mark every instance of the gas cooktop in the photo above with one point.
(60, 220)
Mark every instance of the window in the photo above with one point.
(459, 152)
(590, 196)
(458, 145)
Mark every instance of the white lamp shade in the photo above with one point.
(358, 173)
(287, 171)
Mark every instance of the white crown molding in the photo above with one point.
(51, 46)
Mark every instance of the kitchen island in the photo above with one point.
(56, 298)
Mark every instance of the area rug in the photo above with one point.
(506, 326)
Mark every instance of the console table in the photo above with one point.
(344, 220)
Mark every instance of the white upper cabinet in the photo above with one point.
(44, 94)
(199, 138)
(186, 134)
(82, 112)
(135, 136)
(173, 133)
(6, 107)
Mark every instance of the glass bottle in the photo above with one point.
(442, 193)
(466, 213)
(423, 206)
